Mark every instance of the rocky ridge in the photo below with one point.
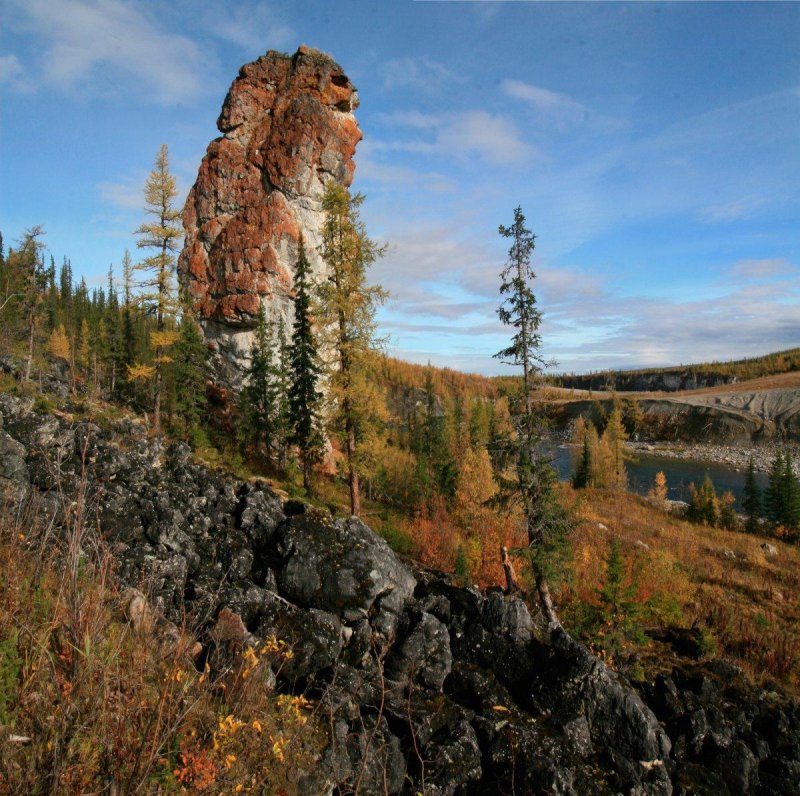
(287, 126)
(410, 667)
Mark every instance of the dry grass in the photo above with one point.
(750, 604)
(88, 704)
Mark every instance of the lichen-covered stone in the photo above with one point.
(287, 127)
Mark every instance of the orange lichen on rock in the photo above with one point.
(288, 127)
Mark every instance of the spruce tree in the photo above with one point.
(33, 284)
(775, 497)
(128, 352)
(437, 469)
(305, 397)
(751, 499)
(282, 385)
(260, 395)
(546, 520)
(583, 472)
(191, 358)
(791, 491)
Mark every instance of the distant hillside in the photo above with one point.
(684, 377)
(396, 375)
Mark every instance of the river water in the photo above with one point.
(642, 468)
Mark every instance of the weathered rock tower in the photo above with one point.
(287, 127)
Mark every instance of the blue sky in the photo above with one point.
(654, 149)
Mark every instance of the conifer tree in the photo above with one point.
(283, 425)
(305, 397)
(59, 346)
(614, 438)
(791, 512)
(191, 358)
(632, 416)
(161, 234)
(703, 503)
(26, 283)
(260, 395)
(437, 469)
(583, 472)
(128, 347)
(546, 520)
(751, 499)
(659, 491)
(112, 350)
(775, 497)
(82, 348)
(346, 317)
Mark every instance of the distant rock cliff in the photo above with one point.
(287, 127)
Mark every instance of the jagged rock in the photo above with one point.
(287, 126)
(314, 636)
(343, 567)
(578, 682)
(423, 655)
(14, 477)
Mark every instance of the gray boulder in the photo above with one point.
(423, 655)
(345, 568)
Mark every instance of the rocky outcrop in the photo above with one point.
(429, 687)
(287, 126)
(729, 418)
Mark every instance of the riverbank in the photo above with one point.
(736, 457)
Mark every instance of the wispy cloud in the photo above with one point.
(254, 26)
(124, 194)
(81, 37)
(370, 170)
(560, 108)
(420, 74)
(491, 137)
(758, 270)
(731, 211)
(13, 75)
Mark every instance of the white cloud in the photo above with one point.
(559, 108)
(491, 137)
(125, 194)
(81, 37)
(371, 171)
(758, 270)
(422, 74)
(255, 26)
(13, 75)
(494, 138)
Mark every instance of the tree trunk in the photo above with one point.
(355, 491)
(546, 601)
(508, 569)
(31, 335)
(157, 399)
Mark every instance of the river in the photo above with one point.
(642, 468)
